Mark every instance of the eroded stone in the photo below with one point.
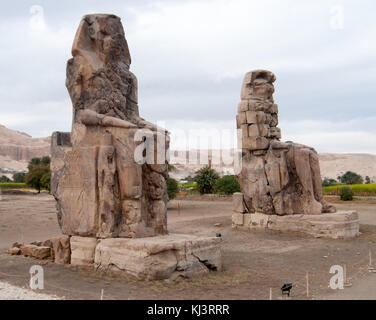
(82, 250)
(160, 257)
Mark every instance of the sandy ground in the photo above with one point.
(253, 262)
(9, 292)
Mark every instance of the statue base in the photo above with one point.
(152, 258)
(339, 225)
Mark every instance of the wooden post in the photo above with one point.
(370, 258)
(270, 294)
(178, 208)
(102, 292)
(307, 284)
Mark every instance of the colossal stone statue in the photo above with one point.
(100, 188)
(109, 174)
(276, 178)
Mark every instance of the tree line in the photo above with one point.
(347, 178)
(38, 176)
(207, 181)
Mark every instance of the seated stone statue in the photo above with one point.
(276, 177)
(100, 188)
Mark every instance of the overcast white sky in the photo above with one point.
(190, 58)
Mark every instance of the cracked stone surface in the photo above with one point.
(101, 190)
(280, 181)
(339, 225)
(161, 257)
(277, 178)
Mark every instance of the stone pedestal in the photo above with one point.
(339, 225)
(152, 258)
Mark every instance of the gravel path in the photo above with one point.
(9, 292)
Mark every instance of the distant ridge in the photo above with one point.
(17, 148)
(331, 164)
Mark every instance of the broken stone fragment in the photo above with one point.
(38, 252)
(14, 251)
(17, 245)
(61, 250)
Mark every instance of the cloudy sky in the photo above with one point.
(190, 58)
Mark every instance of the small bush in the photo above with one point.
(227, 185)
(39, 174)
(172, 188)
(206, 179)
(45, 181)
(19, 177)
(4, 179)
(346, 194)
(34, 177)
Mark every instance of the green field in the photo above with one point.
(187, 186)
(12, 185)
(358, 189)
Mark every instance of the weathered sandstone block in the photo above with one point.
(14, 251)
(61, 250)
(237, 218)
(238, 203)
(34, 251)
(160, 257)
(340, 225)
(82, 250)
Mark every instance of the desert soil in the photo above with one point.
(253, 262)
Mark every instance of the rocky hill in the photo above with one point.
(17, 148)
(331, 164)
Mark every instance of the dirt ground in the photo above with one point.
(253, 262)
